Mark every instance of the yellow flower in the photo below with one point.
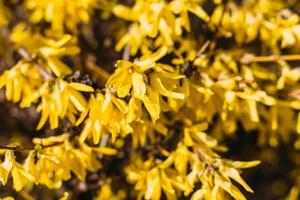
(22, 83)
(128, 75)
(156, 19)
(62, 100)
(53, 164)
(106, 192)
(44, 52)
(54, 12)
(20, 176)
(106, 114)
(132, 76)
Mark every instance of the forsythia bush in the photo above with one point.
(150, 99)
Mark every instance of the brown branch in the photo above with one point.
(16, 148)
(202, 158)
(21, 148)
(44, 73)
(250, 58)
(25, 55)
(103, 143)
(126, 52)
(203, 48)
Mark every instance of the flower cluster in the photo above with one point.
(164, 22)
(192, 162)
(65, 14)
(192, 75)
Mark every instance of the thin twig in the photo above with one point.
(44, 73)
(203, 48)
(103, 142)
(126, 52)
(25, 55)
(16, 148)
(20, 148)
(210, 167)
(250, 58)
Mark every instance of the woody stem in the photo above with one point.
(250, 58)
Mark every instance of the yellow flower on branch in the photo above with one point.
(44, 52)
(147, 89)
(62, 100)
(20, 176)
(22, 83)
(103, 115)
